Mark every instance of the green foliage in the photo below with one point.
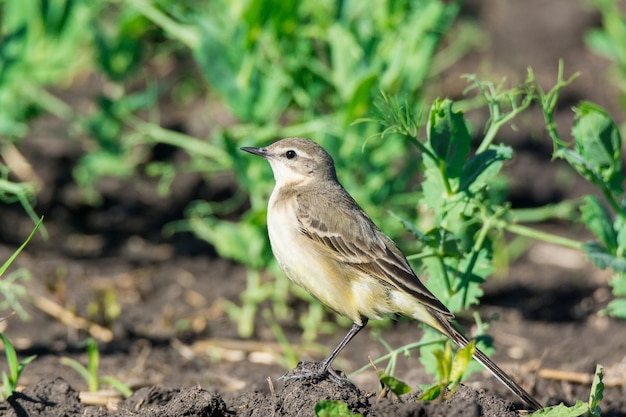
(608, 40)
(90, 372)
(322, 76)
(332, 408)
(596, 156)
(581, 408)
(597, 152)
(450, 370)
(598, 220)
(11, 288)
(310, 69)
(39, 46)
(11, 192)
(314, 55)
(597, 392)
(313, 67)
(393, 354)
(464, 221)
(448, 139)
(456, 253)
(561, 410)
(10, 379)
(393, 384)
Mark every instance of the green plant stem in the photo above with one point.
(548, 102)
(288, 357)
(192, 145)
(492, 97)
(478, 245)
(48, 102)
(250, 297)
(425, 150)
(395, 352)
(495, 127)
(393, 360)
(186, 34)
(546, 237)
(420, 255)
(269, 131)
(606, 192)
(9, 261)
(565, 210)
(444, 272)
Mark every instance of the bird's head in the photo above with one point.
(297, 161)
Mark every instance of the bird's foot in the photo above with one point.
(316, 371)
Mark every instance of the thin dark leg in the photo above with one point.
(322, 369)
(325, 364)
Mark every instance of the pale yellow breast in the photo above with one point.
(339, 286)
(301, 261)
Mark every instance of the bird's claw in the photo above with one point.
(316, 371)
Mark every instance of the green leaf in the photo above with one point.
(461, 361)
(444, 242)
(434, 193)
(345, 54)
(597, 392)
(254, 90)
(18, 250)
(617, 308)
(6, 386)
(430, 344)
(618, 283)
(444, 363)
(117, 385)
(11, 356)
(451, 281)
(431, 393)
(448, 137)
(332, 408)
(482, 167)
(602, 258)
(417, 233)
(601, 43)
(10, 379)
(620, 226)
(395, 385)
(599, 143)
(93, 358)
(25, 362)
(227, 237)
(219, 65)
(359, 102)
(459, 367)
(598, 221)
(78, 367)
(562, 410)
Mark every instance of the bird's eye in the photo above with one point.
(290, 154)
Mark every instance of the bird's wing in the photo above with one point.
(350, 236)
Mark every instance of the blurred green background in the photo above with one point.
(141, 107)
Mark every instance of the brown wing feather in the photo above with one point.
(355, 240)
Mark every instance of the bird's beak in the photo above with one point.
(256, 151)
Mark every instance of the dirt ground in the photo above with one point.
(175, 346)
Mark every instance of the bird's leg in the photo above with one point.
(323, 368)
(324, 365)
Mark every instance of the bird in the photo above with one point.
(326, 243)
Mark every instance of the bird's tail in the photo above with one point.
(462, 341)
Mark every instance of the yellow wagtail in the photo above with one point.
(325, 243)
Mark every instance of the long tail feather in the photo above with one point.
(502, 376)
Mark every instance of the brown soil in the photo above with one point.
(179, 351)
